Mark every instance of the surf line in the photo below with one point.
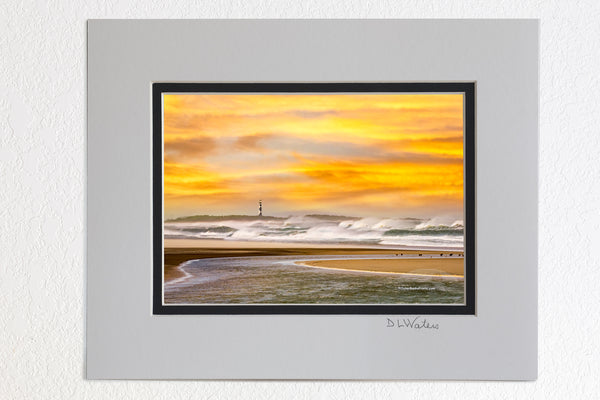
(186, 275)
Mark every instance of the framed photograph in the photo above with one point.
(314, 198)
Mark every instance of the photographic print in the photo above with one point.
(313, 198)
(243, 211)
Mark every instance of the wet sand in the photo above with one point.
(179, 251)
(425, 266)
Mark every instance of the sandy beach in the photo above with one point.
(437, 266)
(179, 251)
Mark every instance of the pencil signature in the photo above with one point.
(411, 323)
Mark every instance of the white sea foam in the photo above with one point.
(438, 231)
(186, 275)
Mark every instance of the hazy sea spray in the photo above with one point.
(436, 232)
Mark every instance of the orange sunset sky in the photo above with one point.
(386, 155)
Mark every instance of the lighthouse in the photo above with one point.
(260, 208)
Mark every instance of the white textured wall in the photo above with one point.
(42, 187)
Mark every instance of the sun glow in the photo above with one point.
(352, 154)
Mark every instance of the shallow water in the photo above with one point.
(278, 280)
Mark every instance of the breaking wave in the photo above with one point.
(436, 232)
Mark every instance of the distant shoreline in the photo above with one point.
(242, 217)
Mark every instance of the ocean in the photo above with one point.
(322, 229)
(278, 279)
